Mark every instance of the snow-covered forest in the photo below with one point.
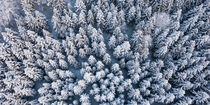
(104, 52)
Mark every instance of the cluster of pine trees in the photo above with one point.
(107, 52)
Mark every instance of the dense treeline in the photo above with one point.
(107, 52)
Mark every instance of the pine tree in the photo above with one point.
(90, 17)
(79, 5)
(82, 18)
(106, 58)
(112, 42)
(100, 18)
